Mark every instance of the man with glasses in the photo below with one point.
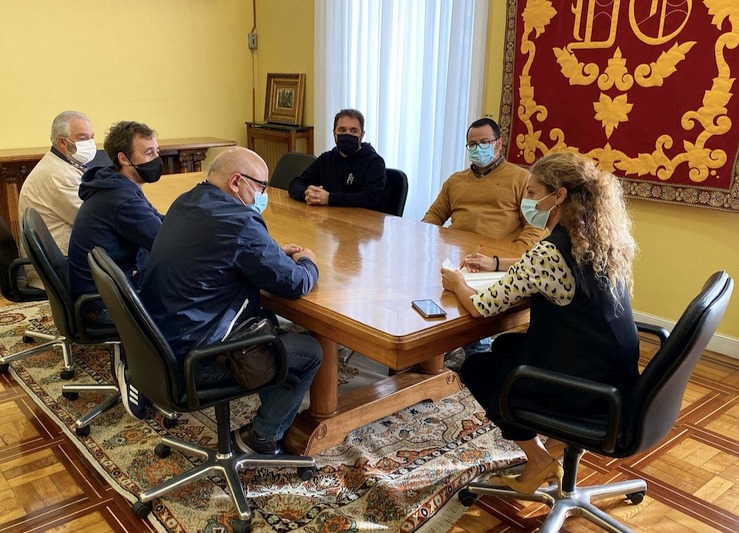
(209, 261)
(51, 188)
(486, 197)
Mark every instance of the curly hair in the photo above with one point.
(594, 215)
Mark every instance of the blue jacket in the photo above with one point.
(115, 215)
(208, 264)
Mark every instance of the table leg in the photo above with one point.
(324, 391)
(435, 365)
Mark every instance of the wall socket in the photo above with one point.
(252, 41)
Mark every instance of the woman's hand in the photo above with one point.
(451, 279)
(477, 262)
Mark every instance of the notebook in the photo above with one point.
(476, 280)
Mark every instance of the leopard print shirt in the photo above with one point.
(542, 270)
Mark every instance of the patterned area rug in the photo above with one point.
(393, 474)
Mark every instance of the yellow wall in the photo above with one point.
(190, 74)
(181, 66)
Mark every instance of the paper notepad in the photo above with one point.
(476, 280)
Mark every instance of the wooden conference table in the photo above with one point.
(371, 266)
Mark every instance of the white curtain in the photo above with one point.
(415, 69)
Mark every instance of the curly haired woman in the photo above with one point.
(579, 279)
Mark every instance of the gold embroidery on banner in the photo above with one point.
(709, 120)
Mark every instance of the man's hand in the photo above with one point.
(304, 252)
(291, 249)
(316, 195)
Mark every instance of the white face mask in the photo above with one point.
(86, 151)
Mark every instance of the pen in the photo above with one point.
(473, 253)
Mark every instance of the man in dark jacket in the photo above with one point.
(350, 175)
(209, 261)
(115, 214)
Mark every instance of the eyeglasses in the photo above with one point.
(482, 144)
(262, 184)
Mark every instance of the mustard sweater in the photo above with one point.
(489, 206)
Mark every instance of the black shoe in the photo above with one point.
(247, 441)
(134, 403)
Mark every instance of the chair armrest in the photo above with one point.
(260, 336)
(658, 331)
(569, 383)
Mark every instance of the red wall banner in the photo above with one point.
(645, 87)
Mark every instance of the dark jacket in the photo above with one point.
(591, 337)
(115, 215)
(208, 264)
(356, 180)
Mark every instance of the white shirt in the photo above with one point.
(52, 189)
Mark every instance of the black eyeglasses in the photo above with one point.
(482, 144)
(262, 184)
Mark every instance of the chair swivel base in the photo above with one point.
(224, 465)
(50, 342)
(82, 424)
(575, 503)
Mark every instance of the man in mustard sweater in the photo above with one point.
(486, 197)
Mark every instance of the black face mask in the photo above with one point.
(150, 171)
(348, 144)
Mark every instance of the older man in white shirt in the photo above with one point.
(52, 187)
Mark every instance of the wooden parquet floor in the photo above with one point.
(693, 476)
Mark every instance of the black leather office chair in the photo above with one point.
(290, 165)
(631, 425)
(170, 381)
(15, 288)
(395, 193)
(53, 269)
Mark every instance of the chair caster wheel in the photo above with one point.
(4, 367)
(240, 526)
(636, 497)
(170, 423)
(71, 395)
(141, 509)
(66, 374)
(84, 431)
(162, 451)
(306, 473)
(466, 497)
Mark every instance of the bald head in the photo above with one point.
(237, 160)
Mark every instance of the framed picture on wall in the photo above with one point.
(284, 101)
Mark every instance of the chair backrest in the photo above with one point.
(151, 362)
(655, 404)
(101, 159)
(53, 269)
(290, 165)
(12, 272)
(395, 193)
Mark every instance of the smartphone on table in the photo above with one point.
(428, 308)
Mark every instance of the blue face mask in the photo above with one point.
(260, 202)
(533, 216)
(482, 157)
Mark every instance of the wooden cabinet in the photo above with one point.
(272, 140)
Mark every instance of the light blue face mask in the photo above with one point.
(481, 157)
(260, 202)
(533, 216)
(260, 199)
